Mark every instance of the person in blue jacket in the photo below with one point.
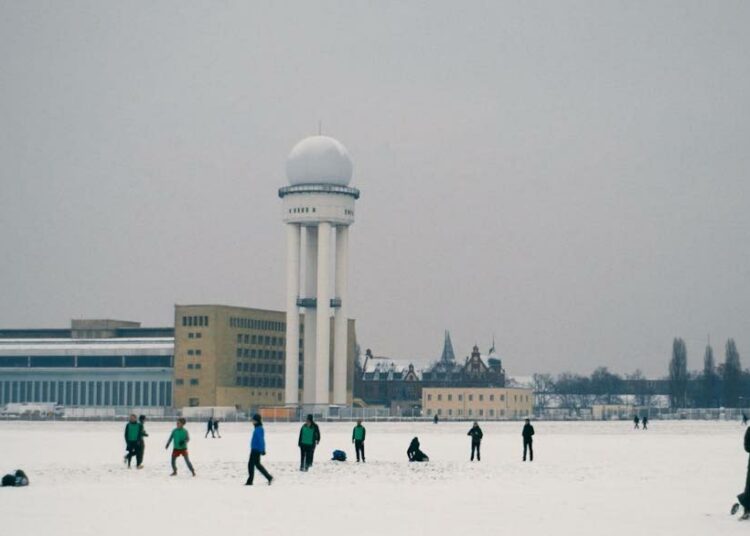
(257, 449)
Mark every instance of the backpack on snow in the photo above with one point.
(339, 456)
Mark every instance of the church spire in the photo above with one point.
(448, 354)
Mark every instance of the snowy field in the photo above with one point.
(678, 478)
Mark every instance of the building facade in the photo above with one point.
(401, 389)
(131, 366)
(477, 402)
(236, 356)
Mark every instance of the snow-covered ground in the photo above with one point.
(678, 478)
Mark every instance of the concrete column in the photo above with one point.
(323, 337)
(310, 249)
(340, 326)
(292, 314)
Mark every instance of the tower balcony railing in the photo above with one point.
(319, 189)
(312, 303)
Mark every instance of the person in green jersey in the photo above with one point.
(308, 438)
(179, 439)
(133, 435)
(358, 438)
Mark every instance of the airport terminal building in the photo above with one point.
(96, 363)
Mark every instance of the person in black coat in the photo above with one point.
(476, 440)
(528, 434)
(414, 453)
(744, 497)
(210, 427)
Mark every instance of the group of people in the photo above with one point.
(212, 427)
(309, 439)
(476, 434)
(637, 421)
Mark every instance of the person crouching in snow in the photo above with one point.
(179, 439)
(414, 453)
(257, 449)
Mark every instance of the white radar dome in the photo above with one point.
(319, 160)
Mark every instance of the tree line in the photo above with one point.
(723, 385)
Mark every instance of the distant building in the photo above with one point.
(477, 402)
(235, 356)
(96, 363)
(401, 388)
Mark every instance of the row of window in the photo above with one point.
(264, 354)
(88, 393)
(301, 210)
(199, 321)
(194, 365)
(194, 352)
(260, 367)
(196, 335)
(261, 339)
(480, 397)
(180, 381)
(85, 361)
(348, 212)
(254, 381)
(252, 323)
(479, 413)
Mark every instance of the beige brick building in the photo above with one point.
(234, 356)
(477, 402)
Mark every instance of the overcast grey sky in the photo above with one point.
(570, 176)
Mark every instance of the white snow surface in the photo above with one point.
(677, 478)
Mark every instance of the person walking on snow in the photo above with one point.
(257, 449)
(636, 420)
(133, 434)
(476, 440)
(141, 442)
(645, 422)
(216, 428)
(358, 438)
(308, 437)
(179, 439)
(528, 434)
(210, 427)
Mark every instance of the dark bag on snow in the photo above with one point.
(339, 456)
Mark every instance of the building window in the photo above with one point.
(492, 398)
(502, 398)
(190, 335)
(193, 402)
(239, 339)
(197, 352)
(460, 398)
(481, 398)
(471, 398)
(193, 381)
(190, 365)
(197, 365)
(450, 397)
(469, 413)
(190, 352)
(198, 335)
(179, 381)
(450, 412)
(481, 413)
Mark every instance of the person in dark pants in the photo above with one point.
(636, 421)
(257, 449)
(645, 422)
(133, 434)
(476, 440)
(744, 497)
(317, 438)
(210, 427)
(435, 419)
(358, 438)
(141, 443)
(414, 453)
(216, 428)
(306, 443)
(528, 434)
